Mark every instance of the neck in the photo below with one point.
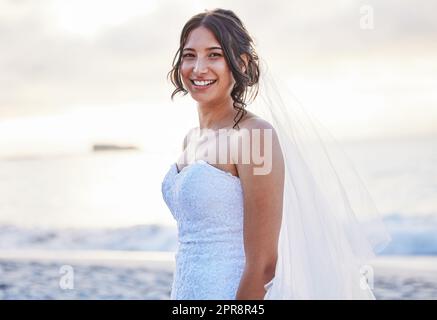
(217, 116)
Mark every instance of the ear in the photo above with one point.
(245, 59)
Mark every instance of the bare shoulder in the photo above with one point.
(256, 123)
(253, 121)
(267, 144)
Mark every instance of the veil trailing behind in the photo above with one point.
(330, 226)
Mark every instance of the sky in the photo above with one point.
(77, 72)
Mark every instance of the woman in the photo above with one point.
(238, 235)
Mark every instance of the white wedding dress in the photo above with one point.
(207, 204)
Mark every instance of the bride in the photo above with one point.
(253, 219)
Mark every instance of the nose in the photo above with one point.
(200, 67)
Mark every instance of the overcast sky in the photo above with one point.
(71, 60)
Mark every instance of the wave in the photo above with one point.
(411, 235)
(151, 237)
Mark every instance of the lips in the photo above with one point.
(202, 84)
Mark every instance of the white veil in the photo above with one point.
(330, 225)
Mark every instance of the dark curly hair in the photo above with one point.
(235, 41)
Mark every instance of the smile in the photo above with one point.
(202, 84)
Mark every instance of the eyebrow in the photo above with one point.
(210, 48)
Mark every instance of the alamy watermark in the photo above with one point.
(367, 17)
(243, 146)
(66, 282)
(367, 277)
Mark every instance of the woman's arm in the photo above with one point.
(263, 200)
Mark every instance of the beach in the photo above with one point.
(98, 275)
(148, 276)
(102, 216)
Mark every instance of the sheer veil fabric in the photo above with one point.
(330, 226)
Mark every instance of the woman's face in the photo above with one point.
(203, 60)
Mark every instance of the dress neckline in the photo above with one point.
(207, 165)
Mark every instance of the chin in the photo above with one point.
(201, 99)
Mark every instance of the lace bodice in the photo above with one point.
(207, 204)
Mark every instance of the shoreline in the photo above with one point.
(141, 275)
(153, 259)
(166, 258)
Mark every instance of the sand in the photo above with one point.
(146, 275)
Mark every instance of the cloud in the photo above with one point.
(46, 69)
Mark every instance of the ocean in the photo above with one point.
(112, 200)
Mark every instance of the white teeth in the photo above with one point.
(202, 83)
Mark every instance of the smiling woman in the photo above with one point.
(228, 226)
(301, 230)
(212, 55)
(223, 68)
(204, 68)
